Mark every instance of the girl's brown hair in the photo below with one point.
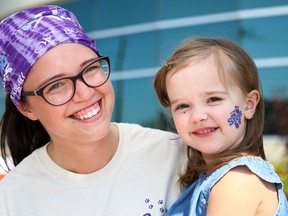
(232, 59)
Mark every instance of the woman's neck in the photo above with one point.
(85, 158)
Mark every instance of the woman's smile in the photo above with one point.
(88, 112)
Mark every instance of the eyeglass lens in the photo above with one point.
(62, 90)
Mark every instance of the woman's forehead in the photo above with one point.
(63, 60)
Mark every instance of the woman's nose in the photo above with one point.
(82, 91)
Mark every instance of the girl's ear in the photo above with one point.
(253, 99)
(26, 111)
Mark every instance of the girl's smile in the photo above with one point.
(206, 111)
(203, 132)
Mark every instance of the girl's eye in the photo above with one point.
(181, 106)
(213, 99)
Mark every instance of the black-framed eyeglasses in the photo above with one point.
(60, 91)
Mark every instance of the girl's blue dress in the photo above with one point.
(194, 200)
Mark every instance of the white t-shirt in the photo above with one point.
(140, 180)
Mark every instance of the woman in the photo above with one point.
(70, 159)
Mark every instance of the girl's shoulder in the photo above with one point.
(255, 165)
(242, 187)
(247, 181)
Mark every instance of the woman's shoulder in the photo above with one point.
(23, 171)
(144, 131)
(136, 138)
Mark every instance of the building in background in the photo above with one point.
(139, 35)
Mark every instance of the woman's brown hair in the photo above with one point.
(20, 136)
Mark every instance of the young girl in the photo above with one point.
(213, 91)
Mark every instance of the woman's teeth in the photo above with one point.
(89, 113)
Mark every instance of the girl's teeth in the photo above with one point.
(205, 131)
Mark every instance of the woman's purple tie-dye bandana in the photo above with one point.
(25, 36)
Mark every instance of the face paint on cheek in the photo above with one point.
(235, 118)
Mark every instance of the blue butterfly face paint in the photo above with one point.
(235, 118)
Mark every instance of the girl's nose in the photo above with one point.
(198, 115)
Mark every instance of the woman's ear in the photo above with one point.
(26, 111)
(253, 99)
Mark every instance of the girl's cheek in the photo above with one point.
(235, 117)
